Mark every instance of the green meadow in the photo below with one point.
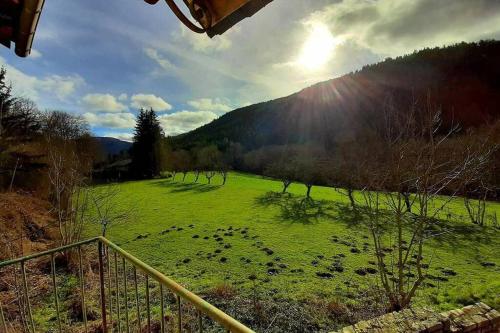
(204, 236)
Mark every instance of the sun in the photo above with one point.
(318, 48)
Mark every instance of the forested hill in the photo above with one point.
(112, 146)
(463, 80)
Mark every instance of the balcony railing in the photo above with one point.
(131, 296)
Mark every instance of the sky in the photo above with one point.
(104, 60)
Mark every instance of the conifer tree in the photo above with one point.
(6, 99)
(146, 152)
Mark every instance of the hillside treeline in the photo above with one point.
(47, 153)
(351, 162)
(50, 156)
(324, 127)
(461, 80)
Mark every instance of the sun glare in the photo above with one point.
(318, 48)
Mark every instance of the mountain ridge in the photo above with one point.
(112, 146)
(460, 79)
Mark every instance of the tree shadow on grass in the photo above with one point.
(348, 215)
(441, 233)
(179, 187)
(462, 234)
(296, 209)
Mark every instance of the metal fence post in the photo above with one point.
(179, 314)
(2, 318)
(125, 292)
(54, 286)
(103, 291)
(82, 288)
(137, 301)
(26, 294)
(119, 321)
(148, 309)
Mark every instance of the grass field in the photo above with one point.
(206, 235)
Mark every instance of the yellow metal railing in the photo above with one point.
(121, 307)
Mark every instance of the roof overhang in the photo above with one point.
(18, 23)
(215, 16)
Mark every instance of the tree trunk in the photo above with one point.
(184, 176)
(406, 196)
(286, 184)
(197, 175)
(309, 190)
(224, 178)
(351, 197)
(482, 209)
(173, 175)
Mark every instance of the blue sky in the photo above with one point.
(104, 60)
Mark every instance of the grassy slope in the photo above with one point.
(297, 238)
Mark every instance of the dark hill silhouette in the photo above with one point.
(113, 146)
(463, 80)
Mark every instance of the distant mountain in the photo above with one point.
(463, 80)
(112, 146)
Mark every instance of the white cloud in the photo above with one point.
(110, 120)
(147, 101)
(216, 105)
(161, 60)
(61, 87)
(185, 121)
(103, 103)
(396, 27)
(122, 97)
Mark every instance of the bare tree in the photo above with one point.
(483, 185)
(171, 163)
(310, 167)
(210, 159)
(225, 165)
(477, 190)
(284, 170)
(224, 171)
(411, 154)
(209, 175)
(476, 208)
(231, 157)
(178, 161)
(70, 153)
(196, 175)
(196, 166)
(184, 162)
(345, 170)
(69, 198)
(107, 212)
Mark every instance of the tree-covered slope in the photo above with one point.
(462, 80)
(113, 146)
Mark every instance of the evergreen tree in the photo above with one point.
(6, 99)
(146, 152)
